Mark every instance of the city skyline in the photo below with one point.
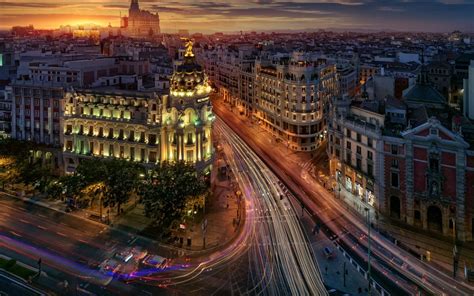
(251, 15)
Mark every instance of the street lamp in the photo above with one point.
(368, 251)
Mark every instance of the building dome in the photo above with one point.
(189, 79)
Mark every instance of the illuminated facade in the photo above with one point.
(140, 23)
(291, 98)
(143, 127)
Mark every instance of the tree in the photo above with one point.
(167, 190)
(122, 180)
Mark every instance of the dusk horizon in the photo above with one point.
(264, 15)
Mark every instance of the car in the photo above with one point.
(328, 252)
(155, 261)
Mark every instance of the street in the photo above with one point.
(401, 268)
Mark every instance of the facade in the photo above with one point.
(409, 159)
(144, 127)
(348, 79)
(37, 111)
(440, 76)
(5, 112)
(468, 93)
(140, 23)
(291, 100)
(354, 149)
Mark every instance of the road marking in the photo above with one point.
(42, 216)
(60, 233)
(41, 227)
(24, 221)
(82, 241)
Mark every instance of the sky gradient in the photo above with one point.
(259, 15)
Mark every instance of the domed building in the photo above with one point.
(142, 126)
(187, 116)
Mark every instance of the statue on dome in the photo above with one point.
(189, 47)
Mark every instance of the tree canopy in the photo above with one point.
(168, 188)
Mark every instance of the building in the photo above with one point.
(291, 97)
(354, 149)
(37, 112)
(468, 93)
(440, 76)
(5, 112)
(145, 127)
(417, 155)
(140, 23)
(428, 185)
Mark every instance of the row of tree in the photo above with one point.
(18, 166)
(165, 191)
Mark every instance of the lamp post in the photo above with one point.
(368, 250)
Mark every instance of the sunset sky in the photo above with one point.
(236, 15)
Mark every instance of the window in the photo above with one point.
(69, 146)
(434, 164)
(132, 136)
(338, 154)
(359, 138)
(190, 156)
(152, 157)
(348, 145)
(394, 179)
(348, 133)
(359, 150)
(349, 157)
(395, 163)
(370, 170)
(394, 149)
(434, 131)
(369, 142)
(132, 153)
(417, 215)
(370, 155)
(359, 163)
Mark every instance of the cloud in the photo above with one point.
(216, 15)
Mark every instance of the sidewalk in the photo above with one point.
(220, 218)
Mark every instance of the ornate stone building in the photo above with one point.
(291, 98)
(145, 127)
(140, 23)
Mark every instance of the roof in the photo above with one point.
(424, 93)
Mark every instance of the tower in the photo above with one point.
(134, 7)
(188, 116)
